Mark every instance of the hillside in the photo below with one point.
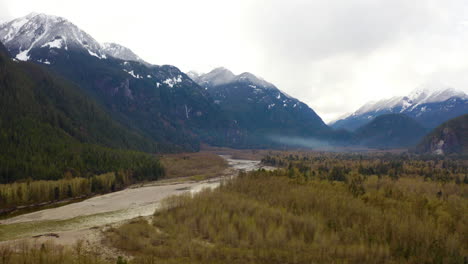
(48, 127)
(390, 131)
(160, 102)
(448, 138)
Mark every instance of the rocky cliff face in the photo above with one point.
(451, 137)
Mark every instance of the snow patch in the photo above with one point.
(94, 54)
(171, 82)
(23, 56)
(137, 76)
(56, 43)
(44, 61)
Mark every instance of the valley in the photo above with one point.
(107, 157)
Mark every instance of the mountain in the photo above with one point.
(160, 102)
(35, 31)
(48, 127)
(448, 138)
(429, 105)
(390, 131)
(260, 109)
(120, 52)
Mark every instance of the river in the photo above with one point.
(111, 208)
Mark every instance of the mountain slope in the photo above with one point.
(430, 106)
(260, 108)
(390, 131)
(48, 127)
(160, 102)
(34, 31)
(120, 52)
(450, 137)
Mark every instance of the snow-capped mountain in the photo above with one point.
(260, 107)
(430, 104)
(222, 76)
(36, 31)
(159, 101)
(218, 108)
(120, 52)
(21, 35)
(221, 81)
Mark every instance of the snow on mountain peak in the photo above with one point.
(379, 105)
(429, 93)
(221, 75)
(217, 76)
(258, 81)
(120, 52)
(434, 93)
(40, 30)
(194, 75)
(37, 30)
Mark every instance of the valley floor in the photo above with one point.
(81, 221)
(314, 208)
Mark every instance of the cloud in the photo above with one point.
(337, 55)
(4, 13)
(311, 30)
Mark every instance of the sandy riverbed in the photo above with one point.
(115, 207)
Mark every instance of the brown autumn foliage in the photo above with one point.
(47, 253)
(199, 165)
(318, 209)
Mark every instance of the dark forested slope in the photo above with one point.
(48, 127)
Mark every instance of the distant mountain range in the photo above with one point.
(429, 105)
(174, 111)
(161, 102)
(260, 108)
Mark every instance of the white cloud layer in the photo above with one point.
(334, 55)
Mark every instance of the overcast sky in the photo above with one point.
(333, 55)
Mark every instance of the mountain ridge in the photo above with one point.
(38, 30)
(430, 105)
(160, 102)
(262, 109)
